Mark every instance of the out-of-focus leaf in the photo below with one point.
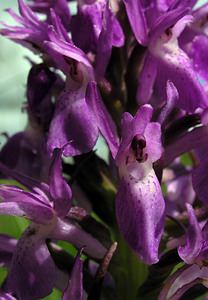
(55, 295)
(128, 271)
(11, 182)
(3, 274)
(69, 248)
(13, 226)
(186, 159)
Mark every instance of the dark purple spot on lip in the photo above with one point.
(138, 146)
(142, 158)
(138, 142)
(168, 31)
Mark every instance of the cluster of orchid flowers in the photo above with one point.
(135, 72)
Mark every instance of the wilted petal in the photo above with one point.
(140, 215)
(60, 191)
(33, 273)
(74, 290)
(194, 239)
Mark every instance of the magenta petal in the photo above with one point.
(71, 109)
(60, 191)
(33, 273)
(27, 13)
(185, 143)
(177, 67)
(118, 35)
(137, 20)
(104, 46)
(167, 20)
(199, 55)
(140, 214)
(146, 79)
(132, 126)
(24, 204)
(154, 145)
(65, 48)
(172, 98)
(74, 290)
(194, 239)
(104, 121)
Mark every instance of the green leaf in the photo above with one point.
(68, 247)
(128, 271)
(55, 295)
(12, 182)
(3, 274)
(13, 226)
(186, 159)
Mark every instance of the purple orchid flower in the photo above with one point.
(186, 142)
(179, 189)
(60, 7)
(32, 272)
(99, 32)
(30, 145)
(30, 33)
(80, 103)
(194, 41)
(194, 253)
(164, 59)
(139, 203)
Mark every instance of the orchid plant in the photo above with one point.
(133, 72)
